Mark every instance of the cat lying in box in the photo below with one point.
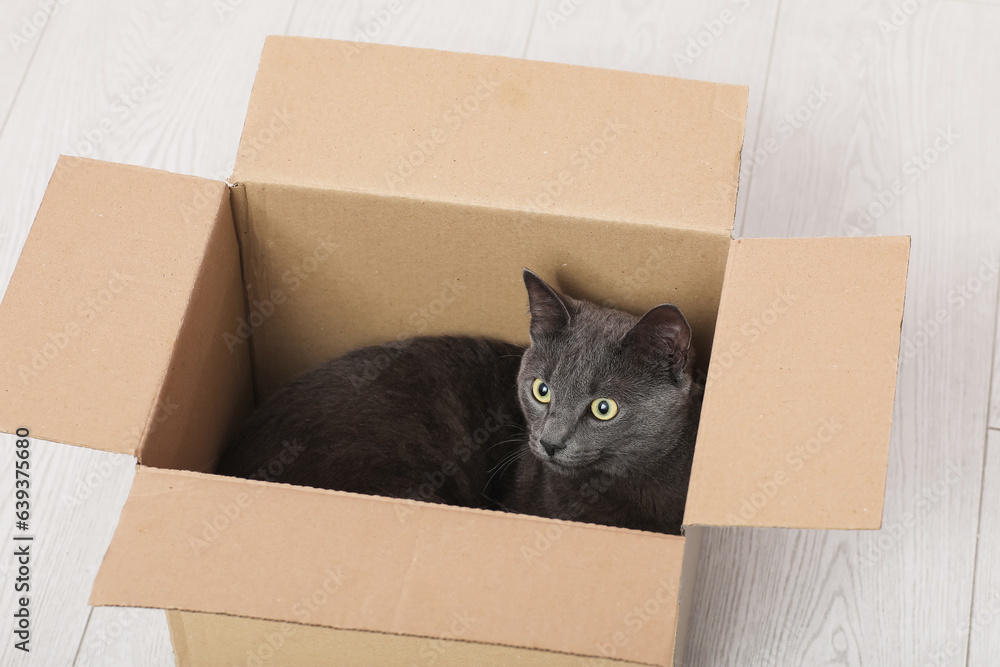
(595, 421)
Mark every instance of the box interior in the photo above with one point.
(353, 269)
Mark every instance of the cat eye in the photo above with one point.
(541, 391)
(604, 408)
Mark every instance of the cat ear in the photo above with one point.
(664, 333)
(549, 313)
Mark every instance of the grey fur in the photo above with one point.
(633, 469)
(426, 418)
(454, 419)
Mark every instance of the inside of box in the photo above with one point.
(328, 271)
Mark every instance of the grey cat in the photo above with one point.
(594, 422)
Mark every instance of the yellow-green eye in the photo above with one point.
(604, 408)
(541, 391)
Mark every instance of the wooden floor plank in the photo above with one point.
(728, 41)
(994, 417)
(76, 497)
(124, 636)
(452, 25)
(984, 621)
(22, 24)
(896, 99)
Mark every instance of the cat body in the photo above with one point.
(594, 422)
(427, 418)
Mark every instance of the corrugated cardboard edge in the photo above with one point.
(155, 560)
(814, 326)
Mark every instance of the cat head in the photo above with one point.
(602, 389)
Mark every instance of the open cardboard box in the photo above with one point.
(382, 192)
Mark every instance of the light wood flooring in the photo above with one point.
(891, 77)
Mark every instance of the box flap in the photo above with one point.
(798, 407)
(214, 544)
(493, 131)
(125, 274)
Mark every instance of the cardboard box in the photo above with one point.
(382, 192)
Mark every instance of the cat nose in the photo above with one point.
(551, 448)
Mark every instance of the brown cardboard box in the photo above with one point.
(383, 192)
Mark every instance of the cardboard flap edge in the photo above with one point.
(87, 293)
(813, 327)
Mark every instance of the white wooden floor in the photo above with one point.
(884, 81)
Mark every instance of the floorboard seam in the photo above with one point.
(982, 480)
(83, 636)
(24, 77)
(291, 15)
(531, 29)
(760, 121)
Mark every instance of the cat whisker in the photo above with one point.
(504, 442)
(507, 463)
(506, 458)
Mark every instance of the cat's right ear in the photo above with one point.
(549, 313)
(663, 333)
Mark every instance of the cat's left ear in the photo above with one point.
(663, 332)
(549, 314)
